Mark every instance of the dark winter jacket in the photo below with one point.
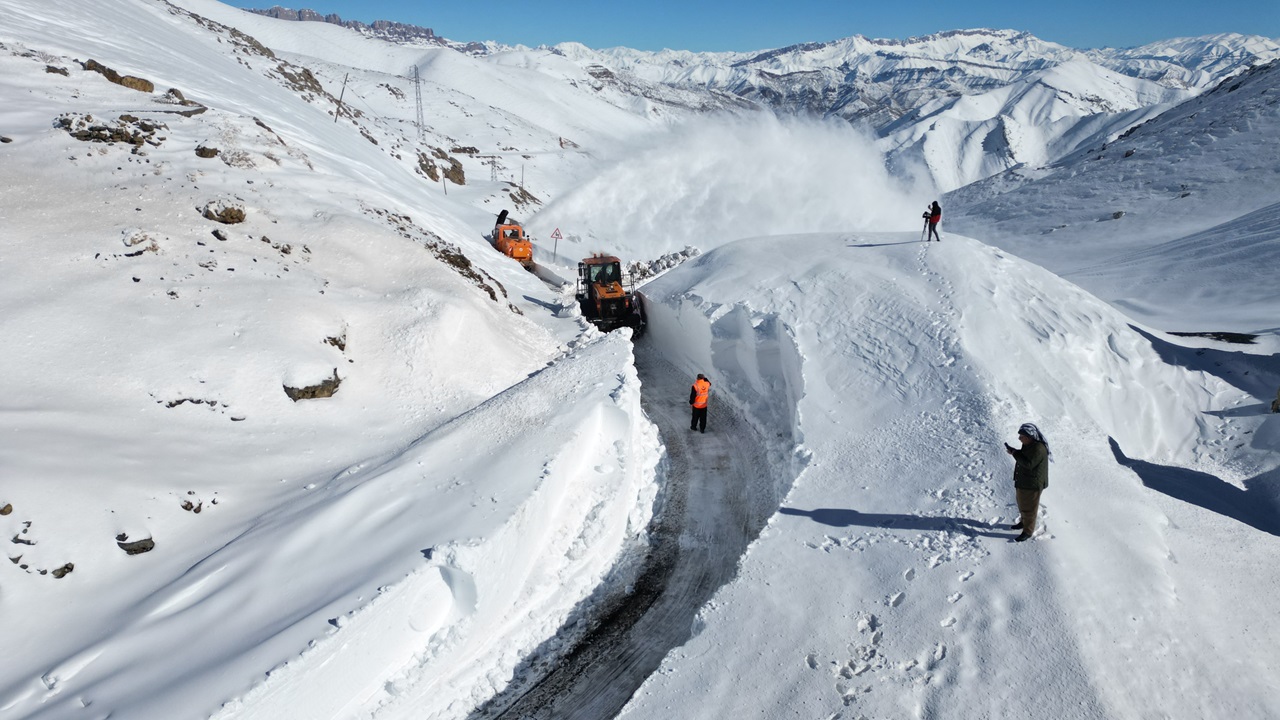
(1031, 467)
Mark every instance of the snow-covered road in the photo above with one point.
(718, 494)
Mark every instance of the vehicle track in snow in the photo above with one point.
(718, 493)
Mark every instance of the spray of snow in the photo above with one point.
(715, 180)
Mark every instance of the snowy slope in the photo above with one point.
(887, 585)
(1181, 191)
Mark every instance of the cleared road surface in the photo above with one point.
(717, 496)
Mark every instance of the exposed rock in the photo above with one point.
(520, 197)
(133, 238)
(175, 97)
(137, 83)
(129, 81)
(128, 130)
(213, 404)
(7, 509)
(206, 152)
(224, 212)
(454, 172)
(56, 70)
(136, 547)
(383, 29)
(427, 167)
(63, 571)
(447, 253)
(312, 392)
(4, 139)
(1275, 404)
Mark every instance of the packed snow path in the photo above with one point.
(717, 497)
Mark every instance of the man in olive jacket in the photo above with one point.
(1030, 476)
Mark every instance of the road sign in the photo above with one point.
(555, 234)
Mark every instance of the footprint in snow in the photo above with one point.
(895, 599)
(909, 575)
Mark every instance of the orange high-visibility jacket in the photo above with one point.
(701, 390)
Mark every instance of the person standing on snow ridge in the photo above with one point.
(1030, 476)
(698, 396)
(934, 215)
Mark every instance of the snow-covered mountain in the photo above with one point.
(1198, 62)
(958, 106)
(285, 437)
(953, 107)
(859, 77)
(1031, 122)
(1191, 190)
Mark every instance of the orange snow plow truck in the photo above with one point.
(603, 300)
(510, 240)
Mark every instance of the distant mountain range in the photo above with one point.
(962, 105)
(953, 107)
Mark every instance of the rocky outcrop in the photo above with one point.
(136, 547)
(383, 29)
(1275, 404)
(129, 81)
(312, 392)
(223, 212)
(127, 129)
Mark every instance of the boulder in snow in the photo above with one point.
(224, 212)
(311, 392)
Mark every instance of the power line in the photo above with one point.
(417, 96)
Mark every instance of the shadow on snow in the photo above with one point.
(1254, 506)
(839, 517)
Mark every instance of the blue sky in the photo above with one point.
(764, 24)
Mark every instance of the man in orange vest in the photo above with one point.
(698, 395)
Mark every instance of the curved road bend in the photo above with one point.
(717, 498)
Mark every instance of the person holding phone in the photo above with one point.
(1030, 476)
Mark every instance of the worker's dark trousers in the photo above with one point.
(699, 420)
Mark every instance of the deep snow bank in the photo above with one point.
(520, 507)
(887, 585)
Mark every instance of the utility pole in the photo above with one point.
(417, 96)
(340, 95)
